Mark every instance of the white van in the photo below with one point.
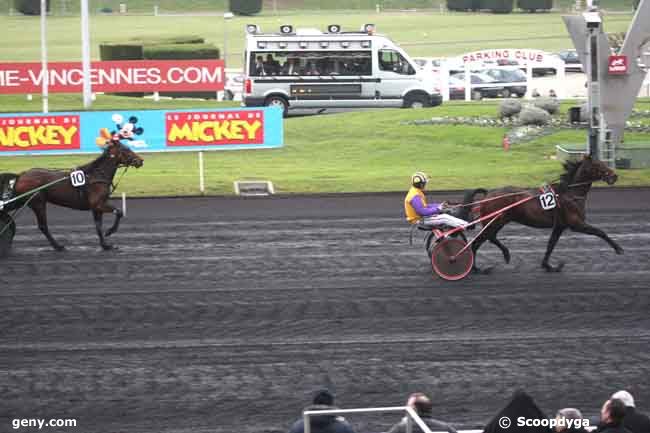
(308, 68)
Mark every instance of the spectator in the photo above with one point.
(259, 66)
(634, 421)
(310, 69)
(611, 417)
(564, 416)
(291, 67)
(323, 400)
(423, 407)
(271, 66)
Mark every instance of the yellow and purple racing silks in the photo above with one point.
(415, 206)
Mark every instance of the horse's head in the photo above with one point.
(123, 155)
(592, 170)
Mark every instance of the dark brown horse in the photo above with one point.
(93, 196)
(571, 196)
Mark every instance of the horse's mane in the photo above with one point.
(92, 165)
(570, 170)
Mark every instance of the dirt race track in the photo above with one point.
(223, 315)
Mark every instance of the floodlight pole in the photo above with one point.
(44, 73)
(226, 16)
(85, 54)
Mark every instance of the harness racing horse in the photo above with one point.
(571, 197)
(93, 196)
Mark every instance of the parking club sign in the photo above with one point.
(617, 65)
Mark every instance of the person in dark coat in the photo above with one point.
(611, 417)
(634, 421)
(424, 408)
(323, 400)
(521, 405)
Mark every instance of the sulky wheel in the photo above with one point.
(7, 232)
(446, 264)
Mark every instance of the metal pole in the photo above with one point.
(123, 204)
(44, 72)
(225, 40)
(201, 174)
(85, 54)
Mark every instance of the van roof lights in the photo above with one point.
(345, 44)
(365, 44)
(303, 44)
(286, 29)
(324, 44)
(333, 28)
(261, 44)
(253, 29)
(368, 28)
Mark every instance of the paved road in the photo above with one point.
(223, 315)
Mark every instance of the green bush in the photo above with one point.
(187, 39)
(498, 6)
(531, 115)
(30, 7)
(535, 5)
(463, 5)
(245, 7)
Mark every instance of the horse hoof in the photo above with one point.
(59, 248)
(506, 257)
(550, 268)
(619, 251)
(108, 247)
(108, 233)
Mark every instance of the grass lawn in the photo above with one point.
(428, 33)
(351, 152)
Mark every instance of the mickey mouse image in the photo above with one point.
(124, 131)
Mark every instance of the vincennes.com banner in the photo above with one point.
(115, 76)
(149, 131)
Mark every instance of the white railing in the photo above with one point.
(412, 417)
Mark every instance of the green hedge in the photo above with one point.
(636, 4)
(181, 52)
(535, 5)
(245, 7)
(188, 39)
(134, 51)
(498, 6)
(463, 5)
(30, 7)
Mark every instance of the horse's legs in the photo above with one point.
(555, 236)
(591, 230)
(97, 215)
(39, 205)
(504, 250)
(116, 224)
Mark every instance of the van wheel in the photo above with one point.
(278, 101)
(476, 95)
(505, 93)
(416, 100)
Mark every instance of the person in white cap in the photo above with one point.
(634, 421)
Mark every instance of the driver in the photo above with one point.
(417, 210)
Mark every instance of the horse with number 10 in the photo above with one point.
(87, 188)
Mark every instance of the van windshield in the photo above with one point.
(286, 63)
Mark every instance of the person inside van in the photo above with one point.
(291, 67)
(310, 69)
(259, 66)
(271, 66)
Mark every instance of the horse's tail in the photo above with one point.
(468, 198)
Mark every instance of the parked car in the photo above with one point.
(509, 76)
(234, 87)
(571, 60)
(483, 86)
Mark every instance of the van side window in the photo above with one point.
(319, 63)
(390, 60)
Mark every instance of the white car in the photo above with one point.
(234, 86)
